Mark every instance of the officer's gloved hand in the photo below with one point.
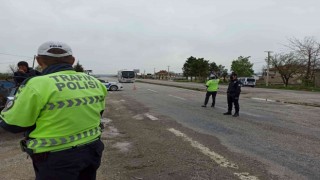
(236, 97)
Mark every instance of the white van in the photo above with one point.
(247, 81)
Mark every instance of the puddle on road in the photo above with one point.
(122, 146)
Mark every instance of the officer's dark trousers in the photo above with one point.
(235, 101)
(72, 164)
(208, 94)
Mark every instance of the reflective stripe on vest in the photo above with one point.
(73, 102)
(36, 143)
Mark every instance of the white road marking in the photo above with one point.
(177, 97)
(264, 99)
(152, 90)
(122, 100)
(214, 156)
(151, 117)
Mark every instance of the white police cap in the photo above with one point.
(45, 47)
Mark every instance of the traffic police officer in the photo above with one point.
(212, 88)
(233, 94)
(60, 114)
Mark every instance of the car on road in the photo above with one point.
(111, 86)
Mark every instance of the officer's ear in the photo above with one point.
(40, 62)
(72, 60)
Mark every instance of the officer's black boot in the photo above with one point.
(227, 113)
(236, 114)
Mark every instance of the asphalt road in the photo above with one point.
(162, 132)
(283, 137)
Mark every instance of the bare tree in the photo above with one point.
(308, 51)
(287, 65)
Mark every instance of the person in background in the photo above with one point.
(233, 94)
(212, 88)
(24, 72)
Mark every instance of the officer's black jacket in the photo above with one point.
(19, 77)
(234, 88)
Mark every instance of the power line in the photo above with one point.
(14, 55)
(7, 62)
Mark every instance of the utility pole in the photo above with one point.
(168, 72)
(34, 59)
(269, 56)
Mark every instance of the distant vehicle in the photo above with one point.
(125, 76)
(111, 86)
(247, 81)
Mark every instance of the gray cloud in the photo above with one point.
(145, 34)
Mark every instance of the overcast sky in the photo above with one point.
(109, 35)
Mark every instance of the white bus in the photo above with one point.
(126, 76)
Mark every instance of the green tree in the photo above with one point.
(187, 67)
(201, 68)
(196, 67)
(223, 72)
(78, 67)
(214, 68)
(242, 66)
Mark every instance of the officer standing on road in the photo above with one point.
(60, 114)
(212, 88)
(233, 94)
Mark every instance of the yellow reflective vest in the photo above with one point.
(213, 85)
(63, 108)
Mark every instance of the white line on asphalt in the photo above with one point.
(152, 90)
(213, 155)
(151, 117)
(262, 99)
(177, 97)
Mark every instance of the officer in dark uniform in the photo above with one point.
(233, 94)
